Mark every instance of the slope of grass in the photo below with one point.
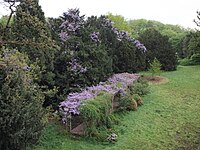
(169, 119)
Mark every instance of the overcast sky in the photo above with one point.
(181, 12)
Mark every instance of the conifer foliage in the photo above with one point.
(32, 36)
(159, 47)
(21, 112)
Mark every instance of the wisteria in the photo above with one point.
(107, 22)
(72, 24)
(122, 34)
(139, 45)
(76, 67)
(72, 104)
(64, 36)
(95, 36)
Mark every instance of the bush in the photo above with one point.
(126, 102)
(195, 59)
(22, 117)
(185, 62)
(155, 67)
(141, 87)
(96, 113)
(138, 99)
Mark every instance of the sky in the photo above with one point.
(177, 12)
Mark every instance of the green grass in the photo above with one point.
(169, 119)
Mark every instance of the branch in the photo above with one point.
(197, 23)
(12, 4)
(198, 17)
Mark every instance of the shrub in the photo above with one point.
(195, 59)
(138, 99)
(185, 62)
(97, 113)
(22, 117)
(127, 102)
(141, 87)
(133, 105)
(155, 67)
(124, 101)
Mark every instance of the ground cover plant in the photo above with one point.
(168, 120)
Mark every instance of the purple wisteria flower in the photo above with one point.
(139, 45)
(95, 36)
(107, 22)
(71, 106)
(122, 34)
(64, 36)
(76, 67)
(72, 22)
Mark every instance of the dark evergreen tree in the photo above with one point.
(82, 59)
(22, 117)
(91, 50)
(32, 36)
(158, 47)
(120, 46)
(124, 57)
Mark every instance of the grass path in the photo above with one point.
(169, 119)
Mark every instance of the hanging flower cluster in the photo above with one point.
(123, 34)
(72, 104)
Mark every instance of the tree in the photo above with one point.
(155, 67)
(12, 6)
(22, 117)
(158, 46)
(198, 19)
(175, 33)
(194, 44)
(119, 22)
(32, 36)
(82, 59)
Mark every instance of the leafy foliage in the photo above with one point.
(119, 22)
(175, 33)
(196, 59)
(141, 87)
(97, 113)
(126, 102)
(82, 60)
(194, 44)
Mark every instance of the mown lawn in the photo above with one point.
(169, 119)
